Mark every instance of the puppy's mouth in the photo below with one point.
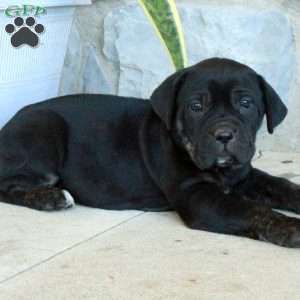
(227, 161)
(224, 161)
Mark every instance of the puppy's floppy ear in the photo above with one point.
(275, 109)
(163, 99)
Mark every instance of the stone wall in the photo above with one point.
(113, 49)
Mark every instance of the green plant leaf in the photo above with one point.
(165, 19)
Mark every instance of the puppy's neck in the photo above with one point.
(225, 179)
(229, 177)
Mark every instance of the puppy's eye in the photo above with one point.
(196, 106)
(245, 101)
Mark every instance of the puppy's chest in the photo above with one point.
(221, 182)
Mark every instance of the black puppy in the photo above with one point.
(189, 149)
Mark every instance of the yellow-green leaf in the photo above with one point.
(165, 19)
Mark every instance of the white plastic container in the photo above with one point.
(27, 74)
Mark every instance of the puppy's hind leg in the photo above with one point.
(32, 151)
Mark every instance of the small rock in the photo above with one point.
(287, 162)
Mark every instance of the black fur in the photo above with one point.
(188, 149)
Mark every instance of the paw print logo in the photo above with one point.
(24, 32)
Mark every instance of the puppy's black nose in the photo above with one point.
(224, 135)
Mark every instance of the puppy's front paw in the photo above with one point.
(49, 199)
(280, 230)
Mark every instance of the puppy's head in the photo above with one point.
(216, 108)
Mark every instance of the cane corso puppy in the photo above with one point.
(188, 149)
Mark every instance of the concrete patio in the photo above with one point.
(88, 253)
